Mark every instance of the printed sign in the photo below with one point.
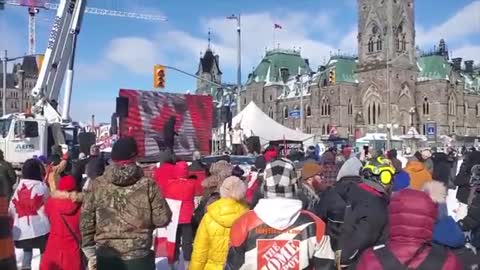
(24, 148)
(294, 114)
(278, 254)
(431, 130)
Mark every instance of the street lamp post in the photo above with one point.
(239, 59)
(389, 128)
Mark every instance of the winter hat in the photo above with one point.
(260, 163)
(43, 159)
(351, 167)
(436, 190)
(234, 188)
(401, 180)
(426, 154)
(67, 183)
(310, 169)
(280, 179)
(32, 169)
(237, 171)
(124, 149)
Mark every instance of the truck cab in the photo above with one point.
(22, 137)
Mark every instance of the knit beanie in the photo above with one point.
(32, 169)
(67, 183)
(401, 180)
(124, 149)
(260, 163)
(280, 179)
(233, 187)
(310, 169)
(351, 167)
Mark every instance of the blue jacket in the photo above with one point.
(448, 233)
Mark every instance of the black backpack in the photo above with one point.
(434, 260)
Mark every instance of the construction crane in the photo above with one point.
(34, 7)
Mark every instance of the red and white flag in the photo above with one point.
(164, 244)
(277, 26)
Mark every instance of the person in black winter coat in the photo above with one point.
(334, 202)
(442, 166)
(462, 180)
(472, 221)
(96, 164)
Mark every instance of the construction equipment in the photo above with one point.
(34, 7)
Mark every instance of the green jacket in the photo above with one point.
(8, 178)
(120, 213)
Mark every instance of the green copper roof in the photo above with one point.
(433, 67)
(344, 67)
(269, 68)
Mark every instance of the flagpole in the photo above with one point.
(274, 37)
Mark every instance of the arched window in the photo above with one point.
(426, 106)
(379, 43)
(323, 129)
(285, 112)
(404, 42)
(270, 112)
(373, 113)
(350, 107)
(325, 107)
(452, 105)
(308, 111)
(370, 45)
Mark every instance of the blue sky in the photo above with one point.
(118, 53)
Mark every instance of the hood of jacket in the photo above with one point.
(415, 166)
(351, 167)
(278, 213)
(123, 175)
(226, 211)
(436, 190)
(412, 216)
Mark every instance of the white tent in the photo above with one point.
(255, 122)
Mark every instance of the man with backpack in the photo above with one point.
(412, 215)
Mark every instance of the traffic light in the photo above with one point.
(159, 76)
(331, 76)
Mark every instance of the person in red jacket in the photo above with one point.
(412, 215)
(165, 171)
(182, 188)
(63, 246)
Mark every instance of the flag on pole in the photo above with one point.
(277, 26)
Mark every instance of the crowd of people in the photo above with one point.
(337, 210)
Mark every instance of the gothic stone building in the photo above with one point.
(389, 82)
(19, 84)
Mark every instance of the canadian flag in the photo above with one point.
(164, 244)
(277, 26)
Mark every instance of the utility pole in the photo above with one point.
(239, 59)
(4, 92)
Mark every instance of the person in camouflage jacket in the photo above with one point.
(120, 213)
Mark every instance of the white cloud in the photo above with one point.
(136, 54)
(462, 24)
(468, 52)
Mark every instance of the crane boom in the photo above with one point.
(59, 52)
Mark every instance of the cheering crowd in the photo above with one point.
(338, 210)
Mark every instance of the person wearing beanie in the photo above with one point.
(120, 213)
(27, 208)
(261, 232)
(63, 246)
(311, 186)
(238, 172)
(211, 241)
(365, 213)
(333, 202)
(181, 189)
(412, 216)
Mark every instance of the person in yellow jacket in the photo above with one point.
(210, 247)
